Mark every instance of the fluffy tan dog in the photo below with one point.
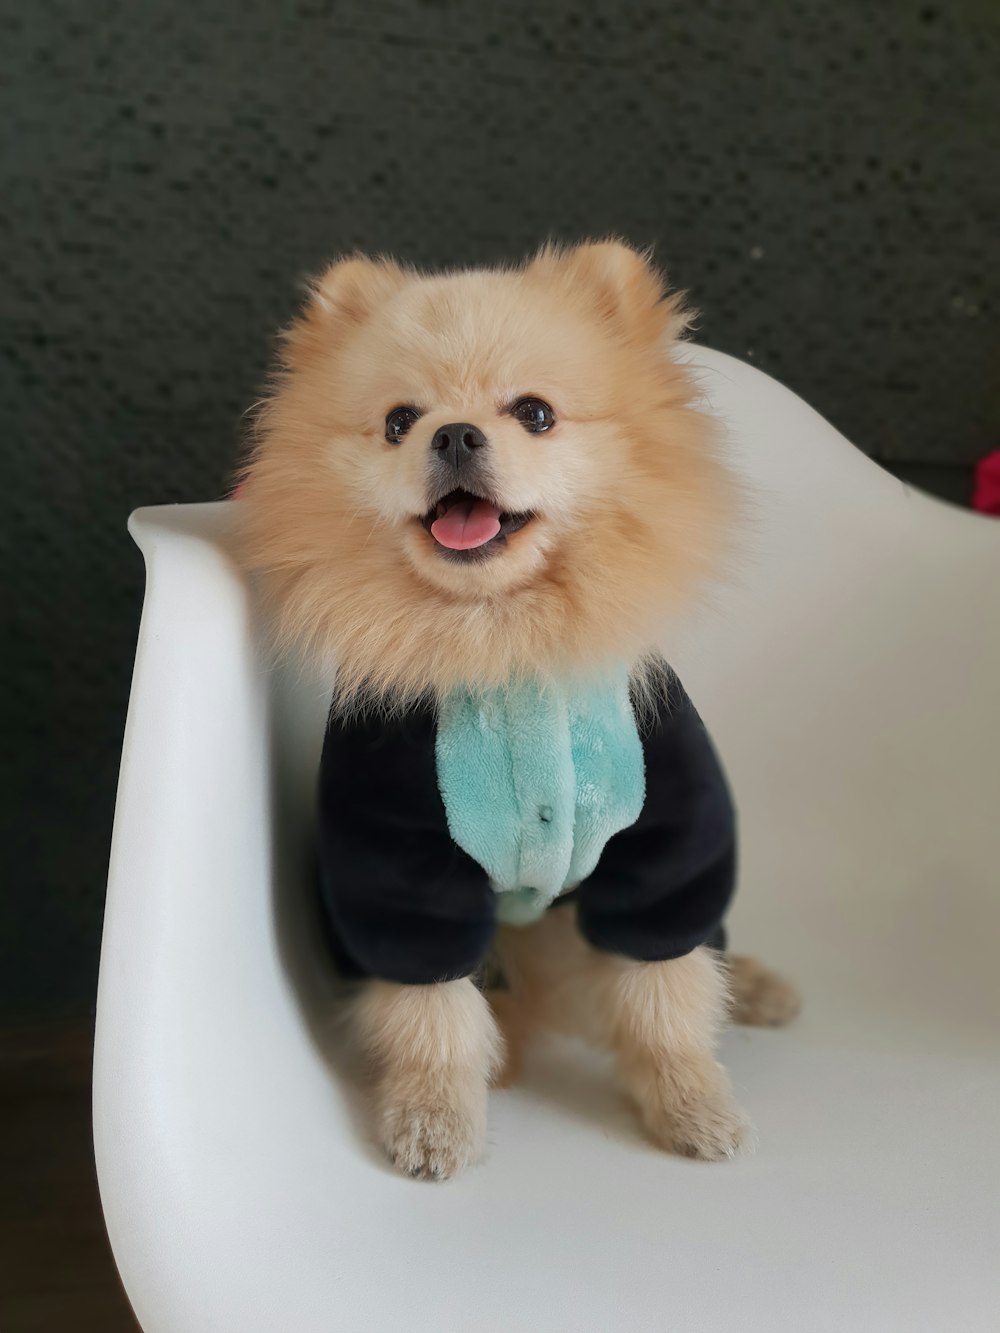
(476, 478)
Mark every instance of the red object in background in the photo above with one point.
(986, 490)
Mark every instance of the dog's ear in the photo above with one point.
(351, 288)
(621, 284)
(339, 301)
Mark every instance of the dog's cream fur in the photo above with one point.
(434, 1051)
(633, 504)
(660, 1020)
(633, 510)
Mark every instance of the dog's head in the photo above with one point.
(463, 477)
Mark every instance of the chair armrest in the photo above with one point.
(192, 943)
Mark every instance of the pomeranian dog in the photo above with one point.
(477, 499)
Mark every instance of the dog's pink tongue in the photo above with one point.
(466, 524)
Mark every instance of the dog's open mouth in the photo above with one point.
(470, 527)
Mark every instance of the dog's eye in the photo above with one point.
(398, 422)
(534, 415)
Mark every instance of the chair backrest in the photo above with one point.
(856, 651)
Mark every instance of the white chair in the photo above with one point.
(852, 681)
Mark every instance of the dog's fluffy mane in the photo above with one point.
(607, 585)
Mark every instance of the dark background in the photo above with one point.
(822, 177)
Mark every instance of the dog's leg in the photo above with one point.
(759, 997)
(661, 1020)
(665, 1023)
(434, 1049)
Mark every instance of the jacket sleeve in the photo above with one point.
(663, 885)
(402, 900)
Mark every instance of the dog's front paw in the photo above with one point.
(433, 1137)
(711, 1131)
(694, 1113)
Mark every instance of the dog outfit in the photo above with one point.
(495, 805)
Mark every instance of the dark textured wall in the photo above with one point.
(823, 177)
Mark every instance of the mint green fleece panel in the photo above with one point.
(535, 779)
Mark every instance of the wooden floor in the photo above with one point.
(56, 1270)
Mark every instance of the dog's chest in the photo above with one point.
(535, 779)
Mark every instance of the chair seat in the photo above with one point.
(850, 673)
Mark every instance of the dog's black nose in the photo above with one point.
(457, 443)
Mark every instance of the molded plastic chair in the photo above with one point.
(852, 682)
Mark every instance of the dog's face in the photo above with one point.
(477, 448)
(477, 418)
(488, 435)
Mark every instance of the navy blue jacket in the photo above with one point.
(405, 903)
